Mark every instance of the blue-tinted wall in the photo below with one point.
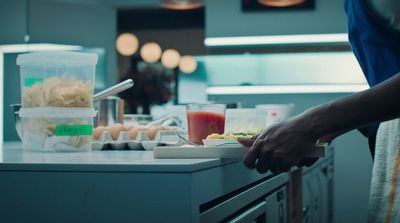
(225, 18)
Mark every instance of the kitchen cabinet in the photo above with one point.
(127, 186)
(277, 207)
(260, 203)
(132, 186)
(271, 210)
(254, 214)
(317, 191)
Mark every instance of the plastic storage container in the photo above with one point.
(244, 120)
(57, 79)
(275, 112)
(57, 100)
(57, 129)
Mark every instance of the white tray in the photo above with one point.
(190, 152)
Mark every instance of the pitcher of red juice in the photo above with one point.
(204, 120)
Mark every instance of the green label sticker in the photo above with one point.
(74, 130)
(32, 80)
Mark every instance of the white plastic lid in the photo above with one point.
(57, 112)
(57, 57)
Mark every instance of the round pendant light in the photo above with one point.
(150, 52)
(127, 44)
(181, 4)
(170, 58)
(280, 3)
(188, 64)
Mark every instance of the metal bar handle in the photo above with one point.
(113, 90)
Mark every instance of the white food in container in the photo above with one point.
(59, 92)
(57, 129)
(57, 79)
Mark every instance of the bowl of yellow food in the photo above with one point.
(226, 139)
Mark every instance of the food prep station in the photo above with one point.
(133, 186)
(87, 156)
(96, 109)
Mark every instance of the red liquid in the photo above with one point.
(202, 124)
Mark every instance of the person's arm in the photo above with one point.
(377, 104)
(387, 11)
(285, 144)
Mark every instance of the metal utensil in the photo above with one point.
(111, 108)
(188, 141)
(113, 90)
(17, 119)
(109, 111)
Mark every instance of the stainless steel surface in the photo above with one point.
(109, 111)
(113, 90)
(251, 214)
(17, 119)
(277, 207)
(219, 212)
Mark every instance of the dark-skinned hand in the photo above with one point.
(281, 147)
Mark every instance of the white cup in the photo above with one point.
(275, 112)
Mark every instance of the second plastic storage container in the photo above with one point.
(57, 129)
(244, 120)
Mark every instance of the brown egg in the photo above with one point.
(133, 132)
(115, 130)
(151, 133)
(129, 127)
(162, 128)
(98, 131)
(142, 129)
(167, 128)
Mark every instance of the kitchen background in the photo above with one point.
(240, 74)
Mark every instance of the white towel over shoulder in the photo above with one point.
(384, 201)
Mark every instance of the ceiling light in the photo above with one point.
(287, 89)
(277, 40)
(280, 3)
(181, 4)
(170, 58)
(151, 52)
(127, 44)
(188, 64)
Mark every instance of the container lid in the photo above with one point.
(57, 57)
(57, 112)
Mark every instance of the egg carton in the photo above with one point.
(142, 141)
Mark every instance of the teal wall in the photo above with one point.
(77, 24)
(225, 18)
(13, 21)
